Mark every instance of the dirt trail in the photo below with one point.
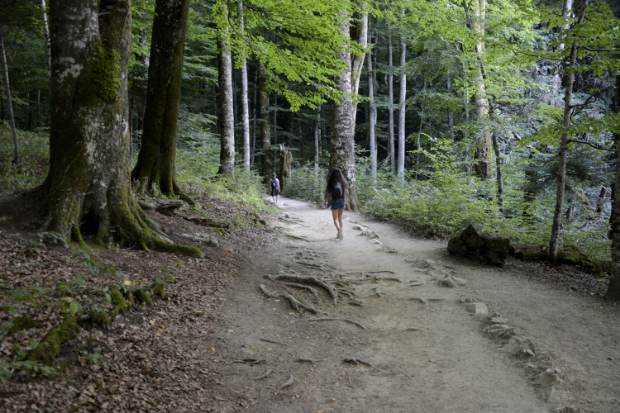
(425, 356)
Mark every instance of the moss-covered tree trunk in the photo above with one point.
(265, 127)
(156, 160)
(613, 291)
(89, 186)
(226, 97)
(342, 153)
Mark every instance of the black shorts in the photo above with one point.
(275, 192)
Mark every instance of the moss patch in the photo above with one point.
(572, 255)
(106, 69)
(120, 305)
(99, 318)
(21, 323)
(159, 291)
(142, 297)
(49, 348)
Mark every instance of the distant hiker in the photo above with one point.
(275, 188)
(334, 194)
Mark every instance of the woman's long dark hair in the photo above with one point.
(336, 176)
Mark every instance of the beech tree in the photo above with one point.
(156, 159)
(88, 186)
(226, 100)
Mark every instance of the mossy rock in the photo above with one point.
(49, 348)
(479, 246)
(142, 297)
(529, 252)
(100, 318)
(21, 323)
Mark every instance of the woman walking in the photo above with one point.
(335, 193)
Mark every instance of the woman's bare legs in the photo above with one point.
(336, 219)
(340, 212)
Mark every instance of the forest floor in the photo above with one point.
(208, 344)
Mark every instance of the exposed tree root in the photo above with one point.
(308, 360)
(262, 376)
(357, 303)
(412, 329)
(375, 294)
(211, 242)
(376, 279)
(297, 305)
(371, 272)
(305, 287)
(355, 361)
(308, 280)
(338, 319)
(287, 383)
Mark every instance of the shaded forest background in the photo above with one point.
(465, 112)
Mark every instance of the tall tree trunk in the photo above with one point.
(422, 115)
(227, 118)
(265, 126)
(391, 152)
(613, 290)
(89, 177)
(373, 115)
(360, 34)
(342, 154)
(556, 80)
(254, 117)
(157, 156)
(450, 113)
(38, 108)
(245, 111)
(2, 105)
(317, 140)
(46, 34)
(563, 151)
(498, 166)
(484, 144)
(27, 112)
(9, 101)
(400, 170)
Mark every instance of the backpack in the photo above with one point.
(337, 191)
(274, 183)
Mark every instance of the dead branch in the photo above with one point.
(355, 361)
(338, 319)
(271, 341)
(262, 376)
(308, 360)
(287, 383)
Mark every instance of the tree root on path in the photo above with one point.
(305, 287)
(355, 361)
(287, 383)
(296, 304)
(308, 360)
(338, 319)
(332, 291)
(375, 279)
(262, 376)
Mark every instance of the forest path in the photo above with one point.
(429, 357)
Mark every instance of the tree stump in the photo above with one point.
(482, 247)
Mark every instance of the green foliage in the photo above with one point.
(306, 185)
(34, 159)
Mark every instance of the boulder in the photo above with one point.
(482, 247)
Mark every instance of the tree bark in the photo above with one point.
(89, 186)
(9, 101)
(556, 81)
(342, 154)
(500, 182)
(254, 117)
(360, 31)
(245, 111)
(563, 151)
(484, 144)
(265, 126)
(613, 290)
(157, 156)
(46, 34)
(373, 115)
(400, 170)
(317, 140)
(391, 153)
(227, 117)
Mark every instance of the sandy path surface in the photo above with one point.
(424, 357)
